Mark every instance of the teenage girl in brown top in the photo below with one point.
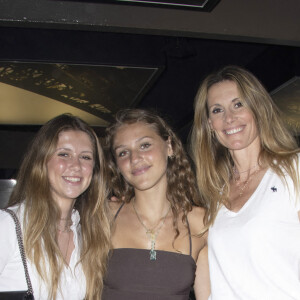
(157, 250)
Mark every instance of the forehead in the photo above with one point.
(221, 91)
(77, 137)
(134, 131)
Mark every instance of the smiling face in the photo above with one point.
(233, 123)
(141, 155)
(70, 168)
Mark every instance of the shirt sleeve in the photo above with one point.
(8, 239)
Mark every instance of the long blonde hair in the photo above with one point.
(213, 161)
(42, 213)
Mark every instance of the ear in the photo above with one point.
(170, 149)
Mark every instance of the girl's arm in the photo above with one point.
(202, 281)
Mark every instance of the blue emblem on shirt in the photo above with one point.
(274, 189)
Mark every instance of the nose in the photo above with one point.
(135, 156)
(75, 163)
(229, 116)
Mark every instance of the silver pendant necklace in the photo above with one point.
(151, 232)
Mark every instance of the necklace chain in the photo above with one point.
(246, 183)
(68, 231)
(151, 232)
(235, 171)
(67, 226)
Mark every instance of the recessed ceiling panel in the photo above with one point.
(99, 90)
(287, 97)
(22, 107)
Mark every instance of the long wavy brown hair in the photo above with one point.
(213, 161)
(181, 184)
(42, 213)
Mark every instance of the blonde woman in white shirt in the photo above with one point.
(60, 201)
(248, 171)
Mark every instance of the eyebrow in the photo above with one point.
(68, 149)
(138, 140)
(217, 104)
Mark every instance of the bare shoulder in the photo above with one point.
(114, 206)
(196, 215)
(196, 219)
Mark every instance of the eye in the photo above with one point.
(87, 157)
(238, 104)
(122, 153)
(216, 110)
(63, 154)
(145, 145)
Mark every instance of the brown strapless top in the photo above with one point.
(131, 275)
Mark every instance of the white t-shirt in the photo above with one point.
(254, 254)
(12, 277)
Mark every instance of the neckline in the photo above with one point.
(160, 251)
(247, 203)
(188, 227)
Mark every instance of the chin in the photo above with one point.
(73, 196)
(238, 147)
(143, 187)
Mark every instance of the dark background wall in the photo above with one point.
(263, 36)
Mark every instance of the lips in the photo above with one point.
(233, 130)
(140, 170)
(72, 179)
